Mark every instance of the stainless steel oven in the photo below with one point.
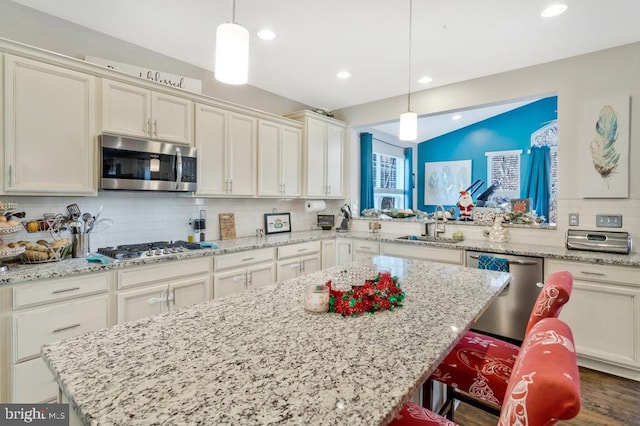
(508, 315)
(146, 165)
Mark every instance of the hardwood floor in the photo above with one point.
(606, 400)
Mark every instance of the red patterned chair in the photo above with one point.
(479, 366)
(543, 388)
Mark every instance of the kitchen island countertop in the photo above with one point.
(259, 358)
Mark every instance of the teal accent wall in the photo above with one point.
(509, 131)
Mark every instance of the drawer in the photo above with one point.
(298, 249)
(162, 272)
(36, 327)
(243, 258)
(435, 254)
(55, 290)
(365, 246)
(595, 272)
(33, 382)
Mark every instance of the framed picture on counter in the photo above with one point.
(275, 223)
(520, 205)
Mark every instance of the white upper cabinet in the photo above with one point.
(50, 129)
(279, 160)
(227, 144)
(136, 111)
(324, 155)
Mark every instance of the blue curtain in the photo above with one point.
(366, 171)
(537, 182)
(408, 178)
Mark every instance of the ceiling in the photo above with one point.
(452, 40)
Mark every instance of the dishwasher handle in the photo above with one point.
(510, 262)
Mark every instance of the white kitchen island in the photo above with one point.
(259, 358)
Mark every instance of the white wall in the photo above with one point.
(28, 26)
(162, 216)
(600, 75)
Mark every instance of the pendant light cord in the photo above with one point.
(233, 12)
(410, 23)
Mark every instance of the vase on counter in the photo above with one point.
(498, 233)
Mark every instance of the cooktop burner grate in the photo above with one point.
(132, 251)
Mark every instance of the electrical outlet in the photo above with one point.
(574, 219)
(609, 220)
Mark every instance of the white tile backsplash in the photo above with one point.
(154, 216)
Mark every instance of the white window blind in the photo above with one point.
(388, 172)
(504, 167)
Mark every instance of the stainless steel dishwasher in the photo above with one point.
(508, 315)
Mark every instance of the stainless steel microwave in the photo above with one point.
(145, 165)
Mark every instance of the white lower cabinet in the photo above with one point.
(344, 255)
(435, 254)
(292, 268)
(328, 257)
(237, 272)
(153, 289)
(33, 382)
(298, 259)
(44, 312)
(604, 315)
(364, 249)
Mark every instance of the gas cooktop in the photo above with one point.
(158, 248)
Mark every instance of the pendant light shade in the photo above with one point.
(409, 120)
(232, 53)
(408, 126)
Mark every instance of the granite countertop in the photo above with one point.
(19, 273)
(259, 358)
(520, 249)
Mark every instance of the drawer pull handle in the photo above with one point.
(598, 274)
(69, 327)
(238, 278)
(66, 290)
(154, 300)
(248, 259)
(365, 248)
(302, 249)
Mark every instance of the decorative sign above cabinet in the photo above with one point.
(173, 80)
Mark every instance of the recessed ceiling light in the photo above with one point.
(343, 74)
(425, 80)
(553, 10)
(266, 34)
(456, 117)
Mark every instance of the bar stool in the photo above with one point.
(478, 368)
(543, 388)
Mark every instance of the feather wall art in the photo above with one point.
(606, 139)
(603, 146)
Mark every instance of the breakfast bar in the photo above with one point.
(259, 357)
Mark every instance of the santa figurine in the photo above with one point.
(465, 204)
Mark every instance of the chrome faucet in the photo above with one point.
(438, 230)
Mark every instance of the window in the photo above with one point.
(504, 167)
(388, 173)
(548, 135)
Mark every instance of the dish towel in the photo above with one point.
(493, 263)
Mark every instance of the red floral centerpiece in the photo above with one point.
(380, 293)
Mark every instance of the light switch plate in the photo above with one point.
(609, 220)
(574, 219)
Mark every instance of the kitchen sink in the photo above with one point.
(428, 238)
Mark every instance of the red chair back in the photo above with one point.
(554, 294)
(544, 386)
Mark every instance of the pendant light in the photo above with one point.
(232, 52)
(409, 119)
